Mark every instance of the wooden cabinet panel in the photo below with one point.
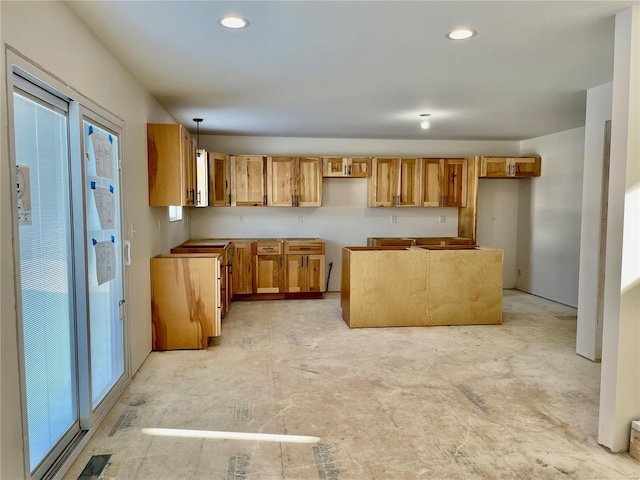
(294, 277)
(348, 167)
(383, 183)
(219, 180)
(171, 164)
(359, 167)
(409, 187)
(509, 167)
(304, 273)
(242, 268)
(247, 181)
(526, 167)
(455, 186)
(202, 178)
(268, 274)
(314, 273)
(334, 167)
(184, 301)
(309, 182)
(266, 247)
(432, 178)
(304, 247)
(281, 176)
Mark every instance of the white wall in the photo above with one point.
(498, 220)
(344, 219)
(620, 373)
(50, 35)
(589, 336)
(549, 210)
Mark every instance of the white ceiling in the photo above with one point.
(365, 69)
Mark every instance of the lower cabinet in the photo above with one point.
(304, 273)
(185, 300)
(267, 275)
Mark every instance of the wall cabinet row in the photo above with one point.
(347, 167)
(418, 182)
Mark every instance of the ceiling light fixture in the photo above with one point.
(198, 121)
(233, 21)
(425, 123)
(461, 34)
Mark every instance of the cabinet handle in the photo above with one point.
(229, 199)
(281, 260)
(193, 197)
(199, 198)
(349, 170)
(345, 169)
(305, 248)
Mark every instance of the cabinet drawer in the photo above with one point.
(304, 247)
(267, 247)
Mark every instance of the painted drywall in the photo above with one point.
(498, 220)
(344, 219)
(51, 36)
(589, 335)
(549, 212)
(620, 375)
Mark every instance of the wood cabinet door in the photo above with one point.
(432, 179)
(219, 180)
(334, 167)
(294, 274)
(241, 269)
(409, 183)
(314, 273)
(267, 274)
(309, 182)
(188, 168)
(164, 156)
(202, 178)
(359, 167)
(526, 166)
(281, 177)
(247, 181)
(383, 183)
(455, 184)
(494, 167)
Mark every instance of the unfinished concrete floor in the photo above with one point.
(477, 402)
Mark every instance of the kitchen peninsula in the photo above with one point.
(398, 286)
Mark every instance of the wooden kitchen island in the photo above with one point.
(400, 286)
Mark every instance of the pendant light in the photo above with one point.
(198, 121)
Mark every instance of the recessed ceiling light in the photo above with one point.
(233, 21)
(461, 34)
(425, 123)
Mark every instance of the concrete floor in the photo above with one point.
(478, 402)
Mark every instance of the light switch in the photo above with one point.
(394, 219)
(241, 218)
(441, 218)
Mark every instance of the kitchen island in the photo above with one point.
(400, 286)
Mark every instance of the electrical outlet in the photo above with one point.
(441, 218)
(159, 225)
(299, 218)
(241, 218)
(519, 272)
(131, 231)
(394, 219)
(494, 219)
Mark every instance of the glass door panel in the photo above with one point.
(46, 275)
(104, 259)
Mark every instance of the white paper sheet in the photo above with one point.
(24, 195)
(105, 261)
(105, 203)
(102, 150)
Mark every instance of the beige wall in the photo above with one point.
(50, 35)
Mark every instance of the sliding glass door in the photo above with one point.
(70, 268)
(46, 272)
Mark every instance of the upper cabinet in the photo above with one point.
(294, 181)
(509, 167)
(394, 182)
(171, 159)
(219, 180)
(346, 167)
(247, 181)
(202, 178)
(444, 182)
